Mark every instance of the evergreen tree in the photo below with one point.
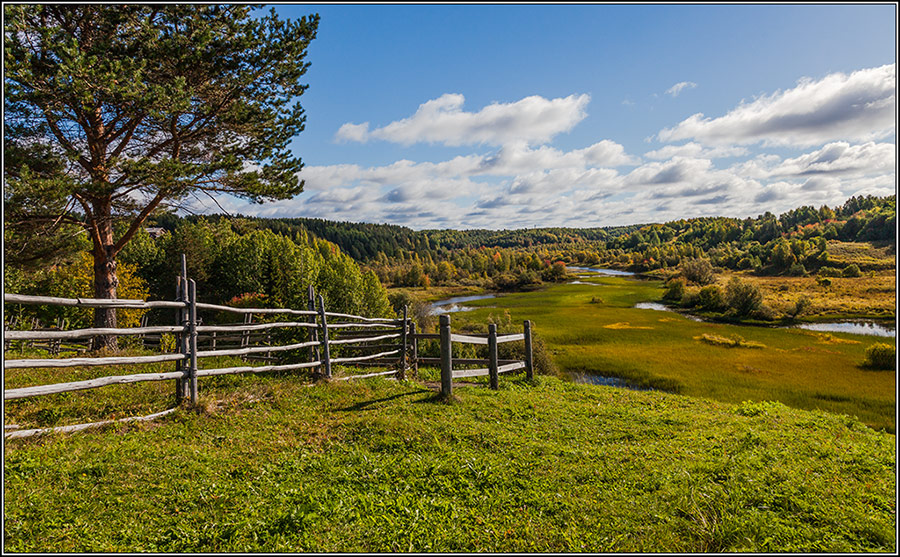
(139, 106)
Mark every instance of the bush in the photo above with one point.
(881, 356)
(711, 298)
(674, 290)
(830, 272)
(801, 306)
(824, 281)
(743, 298)
(851, 271)
(699, 271)
(797, 270)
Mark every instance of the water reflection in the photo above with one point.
(601, 271)
(852, 327)
(451, 305)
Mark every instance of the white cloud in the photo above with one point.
(533, 120)
(679, 87)
(841, 158)
(353, 132)
(855, 107)
(696, 150)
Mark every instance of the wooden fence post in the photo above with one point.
(192, 296)
(245, 335)
(492, 356)
(446, 357)
(326, 358)
(415, 348)
(529, 363)
(181, 317)
(403, 337)
(313, 333)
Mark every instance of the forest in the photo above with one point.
(794, 243)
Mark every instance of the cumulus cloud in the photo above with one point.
(841, 158)
(533, 120)
(855, 107)
(679, 87)
(696, 150)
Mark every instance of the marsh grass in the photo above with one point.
(736, 341)
(644, 347)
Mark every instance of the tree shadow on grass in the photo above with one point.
(367, 403)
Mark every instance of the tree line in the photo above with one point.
(794, 243)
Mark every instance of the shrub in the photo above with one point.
(742, 297)
(851, 271)
(801, 306)
(881, 356)
(797, 270)
(824, 281)
(763, 312)
(674, 290)
(711, 298)
(830, 272)
(699, 271)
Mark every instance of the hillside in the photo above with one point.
(275, 464)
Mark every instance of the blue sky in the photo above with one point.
(511, 116)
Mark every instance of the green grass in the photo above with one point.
(665, 350)
(273, 464)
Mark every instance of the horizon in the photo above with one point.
(620, 114)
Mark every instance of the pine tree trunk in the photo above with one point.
(105, 283)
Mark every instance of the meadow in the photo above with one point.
(595, 329)
(274, 463)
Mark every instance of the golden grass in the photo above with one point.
(728, 342)
(869, 296)
(624, 325)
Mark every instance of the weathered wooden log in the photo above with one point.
(70, 428)
(385, 320)
(349, 325)
(468, 339)
(83, 333)
(446, 356)
(363, 358)
(74, 362)
(326, 353)
(463, 361)
(362, 339)
(346, 377)
(529, 362)
(253, 350)
(254, 369)
(403, 341)
(492, 357)
(459, 373)
(426, 336)
(511, 367)
(255, 310)
(24, 392)
(89, 302)
(256, 327)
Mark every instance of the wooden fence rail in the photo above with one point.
(493, 369)
(357, 334)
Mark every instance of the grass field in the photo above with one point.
(594, 329)
(274, 464)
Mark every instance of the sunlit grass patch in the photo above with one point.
(380, 466)
(735, 341)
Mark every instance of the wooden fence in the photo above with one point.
(494, 365)
(324, 330)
